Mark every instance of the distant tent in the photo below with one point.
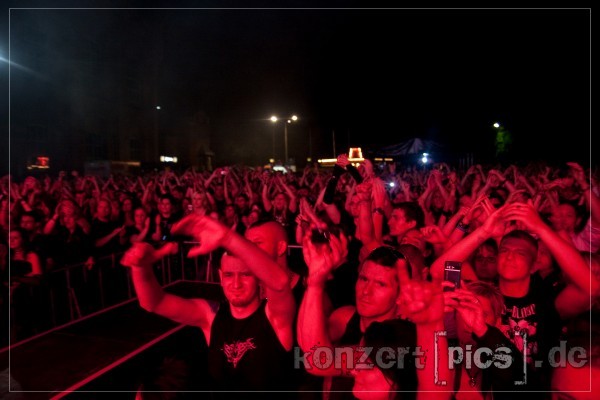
(409, 147)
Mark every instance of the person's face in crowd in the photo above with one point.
(573, 383)
(398, 224)
(103, 210)
(371, 383)
(178, 194)
(219, 192)
(253, 217)
(31, 183)
(165, 207)
(28, 223)
(464, 333)
(564, 217)
(240, 286)
(127, 205)
(198, 201)
(515, 259)
(67, 207)
(229, 211)
(186, 204)
(376, 290)
(485, 263)
(15, 240)
(280, 202)
(115, 208)
(70, 222)
(241, 203)
(437, 200)
(140, 216)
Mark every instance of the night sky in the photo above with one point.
(364, 77)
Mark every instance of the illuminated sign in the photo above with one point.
(168, 159)
(41, 162)
(354, 156)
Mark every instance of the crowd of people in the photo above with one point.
(365, 311)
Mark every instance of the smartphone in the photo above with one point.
(452, 274)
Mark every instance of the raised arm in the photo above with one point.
(313, 326)
(196, 312)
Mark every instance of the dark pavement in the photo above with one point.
(109, 352)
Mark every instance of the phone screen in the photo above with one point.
(452, 273)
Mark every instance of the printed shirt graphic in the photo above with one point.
(246, 354)
(235, 351)
(532, 324)
(519, 324)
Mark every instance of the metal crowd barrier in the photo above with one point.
(71, 292)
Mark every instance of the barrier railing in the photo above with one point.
(69, 293)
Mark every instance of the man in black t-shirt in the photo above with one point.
(250, 339)
(532, 314)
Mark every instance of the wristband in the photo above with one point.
(462, 227)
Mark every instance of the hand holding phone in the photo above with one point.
(452, 274)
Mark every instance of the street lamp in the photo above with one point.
(274, 119)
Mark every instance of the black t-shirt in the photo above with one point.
(533, 325)
(246, 354)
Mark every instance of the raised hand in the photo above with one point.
(209, 232)
(323, 258)
(526, 214)
(433, 234)
(140, 255)
(495, 223)
(468, 307)
(422, 302)
(342, 160)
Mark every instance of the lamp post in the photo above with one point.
(274, 119)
